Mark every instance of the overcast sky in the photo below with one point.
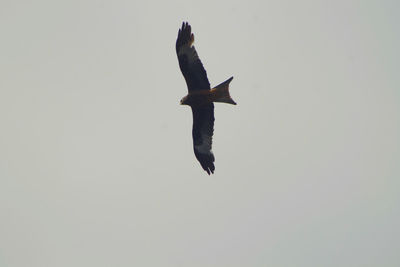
(96, 159)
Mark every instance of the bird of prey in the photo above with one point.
(200, 97)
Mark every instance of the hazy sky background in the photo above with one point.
(96, 159)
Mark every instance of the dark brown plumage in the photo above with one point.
(200, 97)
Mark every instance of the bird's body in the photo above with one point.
(200, 97)
(203, 97)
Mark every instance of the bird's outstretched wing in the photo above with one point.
(189, 62)
(202, 132)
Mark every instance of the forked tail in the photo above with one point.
(221, 93)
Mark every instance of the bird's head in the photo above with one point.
(184, 100)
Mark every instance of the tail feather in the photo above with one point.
(221, 93)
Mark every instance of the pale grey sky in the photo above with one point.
(96, 160)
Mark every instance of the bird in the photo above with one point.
(200, 97)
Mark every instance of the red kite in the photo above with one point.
(200, 97)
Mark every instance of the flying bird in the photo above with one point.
(200, 97)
